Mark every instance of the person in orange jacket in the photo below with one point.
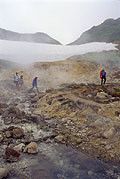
(103, 76)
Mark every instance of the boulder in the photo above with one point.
(108, 147)
(13, 111)
(49, 141)
(3, 173)
(11, 155)
(7, 120)
(19, 147)
(102, 95)
(31, 148)
(8, 134)
(109, 133)
(17, 100)
(20, 114)
(102, 121)
(5, 114)
(32, 95)
(89, 96)
(18, 133)
(59, 138)
(35, 99)
(1, 137)
(21, 106)
(1, 111)
(3, 105)
(90, 172)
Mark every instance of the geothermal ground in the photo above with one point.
(70, 129)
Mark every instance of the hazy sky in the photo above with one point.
(64, 20)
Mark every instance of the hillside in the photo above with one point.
(108, 31)
(8, 65)
(38, 37)
(107, 59)
(54, 74)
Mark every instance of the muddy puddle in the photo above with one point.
(56, 161)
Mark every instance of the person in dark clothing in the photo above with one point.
(21, 81)
(34, 83)
(103, 76)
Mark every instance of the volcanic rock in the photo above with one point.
(5, 114)
(1, 137)
(1, 111)
(18, 133)
(102, 95)
(109, 133)
(59, 138)
(11, 155)
(3, 173)
(19, 147)
(3, 105)
(8, 134)
(31, 148)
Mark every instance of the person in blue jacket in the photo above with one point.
(103, 76)
(34, 83)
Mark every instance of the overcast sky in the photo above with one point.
(64, 20)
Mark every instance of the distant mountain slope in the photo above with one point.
(107, 59)
(108, 31)
(38, 37)
(8, 65)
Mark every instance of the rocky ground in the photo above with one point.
(85, 116)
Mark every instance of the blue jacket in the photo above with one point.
(34, 82)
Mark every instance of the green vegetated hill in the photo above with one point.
(8, 65)
(108, 31)
(38, 37)
(108, 59)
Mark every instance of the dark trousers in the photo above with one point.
(103, 80)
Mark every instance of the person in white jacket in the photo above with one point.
(16, 80)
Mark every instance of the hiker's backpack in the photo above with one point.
(103, 73)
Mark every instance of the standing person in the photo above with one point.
(103, 76)
(16, 80)
(34, 83)
(21, 81)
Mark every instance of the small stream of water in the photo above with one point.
(57, 161)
